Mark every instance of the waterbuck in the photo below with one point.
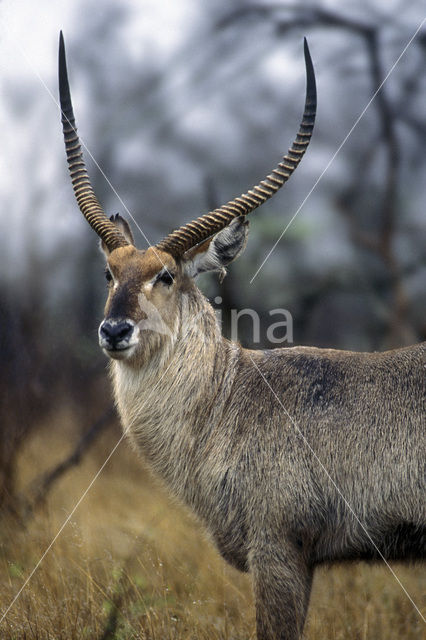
(291, 457)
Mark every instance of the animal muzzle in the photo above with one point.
(117, 335)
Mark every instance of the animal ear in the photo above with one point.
(124, 227)
(219, 251)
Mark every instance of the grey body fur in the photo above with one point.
(204, 417)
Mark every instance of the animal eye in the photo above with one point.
(166, 277)
(108, 275)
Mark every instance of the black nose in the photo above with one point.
(115, 334)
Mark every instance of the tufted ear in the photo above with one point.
(217, 252)
(124, 227)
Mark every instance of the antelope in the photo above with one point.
(291, 457)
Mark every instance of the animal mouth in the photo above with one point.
(125, 347)
(119, 352)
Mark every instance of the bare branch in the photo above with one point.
(42, 485)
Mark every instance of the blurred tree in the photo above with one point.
(372, 195)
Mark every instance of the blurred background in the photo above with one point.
(185, 105)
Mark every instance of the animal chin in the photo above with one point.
(120, 354)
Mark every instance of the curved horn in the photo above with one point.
(86, 199)
(208, 224)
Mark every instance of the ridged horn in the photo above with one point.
(83, 190)
(191, 234)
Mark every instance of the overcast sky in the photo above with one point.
(29, 30)
(28, 66)
(28, 59)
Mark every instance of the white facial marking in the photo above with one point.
(123, 348)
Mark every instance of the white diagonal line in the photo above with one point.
(77, 504)
(60, 530)
(80, 500)
(87, 150)
(123, 435)
(337, 489)
(341, 144)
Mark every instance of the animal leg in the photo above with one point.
(282, 583)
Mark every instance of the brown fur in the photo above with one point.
(291, 457)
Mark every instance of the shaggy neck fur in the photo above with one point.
(158, 401)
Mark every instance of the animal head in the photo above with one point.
(145, 287)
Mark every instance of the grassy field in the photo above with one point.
(132, 564)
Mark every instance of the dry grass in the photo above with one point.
(131, 564)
